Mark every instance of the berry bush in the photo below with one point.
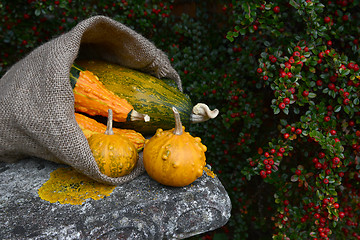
(285, 77)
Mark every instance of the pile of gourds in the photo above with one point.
(106, 92)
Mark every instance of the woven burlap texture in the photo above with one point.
(37, 103)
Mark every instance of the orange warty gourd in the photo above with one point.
(115, 155)
(90, 127)
(174, 157)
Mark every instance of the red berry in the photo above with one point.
(321, 54)
(345, 17)
(332, 132)
(356, 68)
(321, 155)
(282, 74)
(331, 86)
(341, 214)
(346, 101)
(265, 78)
(289, 74)
(336, 160)
(327, 19)
(273, 59)
(298, 172)
(282, 150)
(326, 181)
(286, 100)
(259, 70)
(326, 118)
(276, 9)
(286, 135)
(351, 65)
(319, 82)
(305, 93)
(336, 205)
(318, 165)
(298, 131)
(296, 54)
(282, 105)
(255, 27)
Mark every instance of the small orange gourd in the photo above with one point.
(90, 127)
(115, 154)
(174, 157)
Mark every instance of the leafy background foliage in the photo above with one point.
(284, 75)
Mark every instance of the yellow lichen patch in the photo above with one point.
(68, 186)
(209, 172)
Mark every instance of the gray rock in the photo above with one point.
(140, 209)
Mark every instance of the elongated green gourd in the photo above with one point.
(147, 94)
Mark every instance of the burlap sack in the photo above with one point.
(37, 102)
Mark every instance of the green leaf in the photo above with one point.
(312, 95)
(286, 111)
(337, 108)
(290, 50)
(230, 38)
(347, 109)
(333, 192)
(267, 43)
(294, 178)
(37, 12)
(319, 195)
(283, 122)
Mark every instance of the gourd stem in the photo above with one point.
(201, 113)
(109, 129)
(136, 116)
(178, 126)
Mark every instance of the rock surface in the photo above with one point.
(140, 209)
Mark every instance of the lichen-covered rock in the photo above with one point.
(140, 209)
